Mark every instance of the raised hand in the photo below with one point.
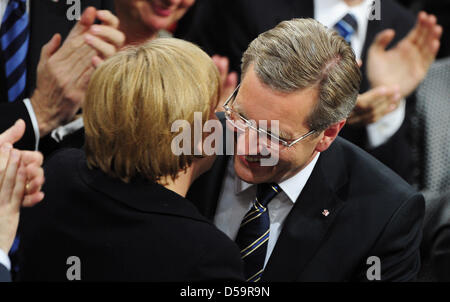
(64, 71)
(228, 80)
(30, 160)
(407, 63)
(373, 105)
(21, 179)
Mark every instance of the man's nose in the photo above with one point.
(248, 143)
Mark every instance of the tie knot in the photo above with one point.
(347, 26)
(265, 192)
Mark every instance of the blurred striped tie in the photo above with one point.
(346, 27)
(14, 35)
(253, 235)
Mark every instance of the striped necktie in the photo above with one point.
(14, 35)
(253, 235)
(346, 27)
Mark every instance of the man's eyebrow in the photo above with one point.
(281, 134)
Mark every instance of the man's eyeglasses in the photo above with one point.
(241, 123)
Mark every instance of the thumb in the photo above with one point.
(51, 47)
(383, 39)
(13, 134)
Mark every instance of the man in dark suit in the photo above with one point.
(330, 207)
(55, 89)
(377, 124)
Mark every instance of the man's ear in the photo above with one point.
(329, 135)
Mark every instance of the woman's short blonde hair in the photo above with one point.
(134, 97)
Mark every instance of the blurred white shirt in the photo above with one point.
(330, 12)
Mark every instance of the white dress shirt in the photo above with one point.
(4, 259)
(329, 12)
(236, 199)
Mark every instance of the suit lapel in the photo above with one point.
(306, 227)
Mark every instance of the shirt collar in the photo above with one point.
(292, 187)
(329, 12)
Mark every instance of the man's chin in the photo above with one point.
(252, 172)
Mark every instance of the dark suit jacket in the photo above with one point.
(121, 232)
(46, 19)
(4, 274)
(227, 27)
(373, 212)
(436, 240)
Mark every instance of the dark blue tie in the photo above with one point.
(253, 235)
(14, 35)
(346, 27)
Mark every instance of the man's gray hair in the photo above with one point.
(303, 53)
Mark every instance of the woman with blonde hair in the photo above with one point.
(116, 211)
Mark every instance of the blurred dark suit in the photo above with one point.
(136, 231)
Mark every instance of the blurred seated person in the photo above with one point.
(142, 20)
(118, 205)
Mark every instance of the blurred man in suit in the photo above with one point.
(49, 94)
(378, 122)
(326, 206)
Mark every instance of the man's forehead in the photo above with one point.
(258, 100)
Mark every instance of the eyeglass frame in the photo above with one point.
(228, 108)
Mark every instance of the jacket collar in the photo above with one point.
(139, 194)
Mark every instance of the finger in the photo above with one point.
(433, 43)
(19, 188)
(354, 119)
(366, 100)
(51, 47)
(5, 149)
(9, 177)
(103, 48)
(31, 200)
(416, 31)
(97, 61)
(32, 157)
(423, 29)
(88, 16)
(86, 20)
(394, 103)
(383, 39)
(108, 18)
(35, 179)
(14, 133)
(109, 34)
